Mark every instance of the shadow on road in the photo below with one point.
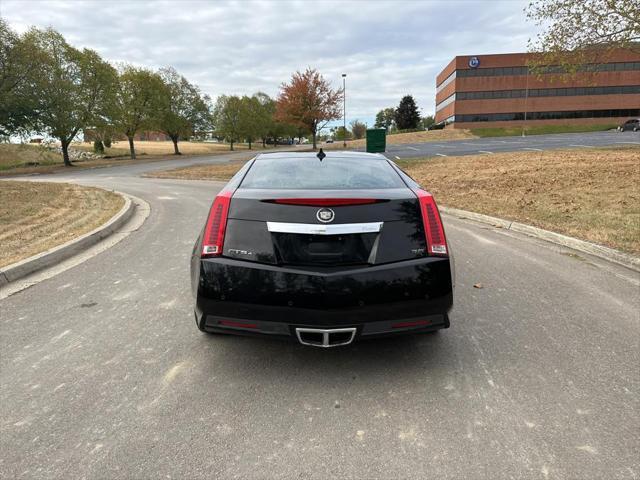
(268, 357)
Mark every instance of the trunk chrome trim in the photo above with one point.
(315, 229)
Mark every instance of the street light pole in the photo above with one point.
(344, 110)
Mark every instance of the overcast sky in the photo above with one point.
(387, 49)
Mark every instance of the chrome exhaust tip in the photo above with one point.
(326, 338)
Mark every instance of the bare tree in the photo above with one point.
(358, 128)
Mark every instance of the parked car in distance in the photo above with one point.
(322, 249)
(329, 140)
(633, 125)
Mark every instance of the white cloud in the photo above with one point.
(387, 48)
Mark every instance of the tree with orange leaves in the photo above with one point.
(308, 101)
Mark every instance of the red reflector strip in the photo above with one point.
(230, 323)
(326, 202)
(417, 323)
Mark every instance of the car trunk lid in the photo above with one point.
(328, 228)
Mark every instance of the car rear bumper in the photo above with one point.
(250, 298)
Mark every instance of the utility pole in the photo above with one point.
(344, 110)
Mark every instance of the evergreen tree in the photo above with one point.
(407, 114)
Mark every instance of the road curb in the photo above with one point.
(616, 256)
(18, 270)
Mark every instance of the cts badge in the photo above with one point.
(474, 62)
(235, 251)
(325, 215)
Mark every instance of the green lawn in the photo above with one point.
(540, 130)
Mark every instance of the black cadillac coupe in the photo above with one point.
(323, 249)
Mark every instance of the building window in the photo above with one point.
(446, 81)
(445, 102)
(499, 117)
(547, 92)
(553, 69)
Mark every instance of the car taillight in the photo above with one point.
(213, 238)
(433, 229)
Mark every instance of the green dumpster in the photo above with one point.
(376, 140)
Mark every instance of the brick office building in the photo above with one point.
(499, 91)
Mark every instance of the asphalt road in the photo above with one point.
(512, 144)
(104, 374)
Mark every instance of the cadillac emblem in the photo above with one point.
(325, 215)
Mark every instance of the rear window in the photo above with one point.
(330, 174)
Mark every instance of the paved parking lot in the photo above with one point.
(512, 144)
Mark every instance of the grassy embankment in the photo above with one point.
(149, 148)
(591, 194)
(448, 134)
(411, 137)
(37, 216)
(26, 156)
(540, 130)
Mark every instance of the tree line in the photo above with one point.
(405, 116)
(49, 86)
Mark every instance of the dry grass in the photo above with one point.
(444, 135)
(590, 194)
(221, 171)
(26, 155)
(429, 136)
(36, 216)
(593, 194)
(164, 148)
(29, 158)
